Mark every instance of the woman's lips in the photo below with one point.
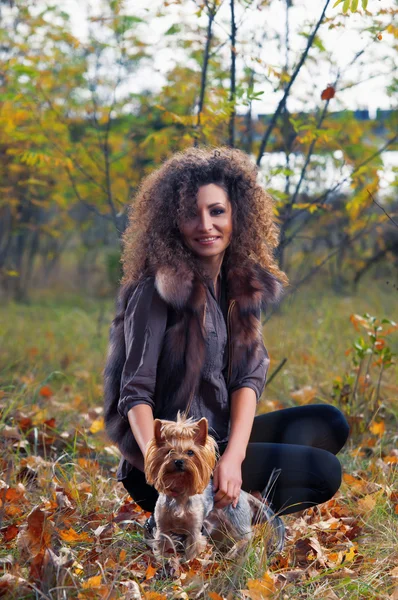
(207, 243)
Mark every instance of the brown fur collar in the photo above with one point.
(251, 286)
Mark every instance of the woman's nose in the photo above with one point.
(205, 223)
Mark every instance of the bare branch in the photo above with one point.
(282, 102)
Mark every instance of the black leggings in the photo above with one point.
(300, 441)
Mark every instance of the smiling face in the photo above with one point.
(208, 232)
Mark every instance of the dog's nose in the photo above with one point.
(179, 464)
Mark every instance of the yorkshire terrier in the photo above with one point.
(179, 463)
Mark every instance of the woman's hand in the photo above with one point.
(227, 481)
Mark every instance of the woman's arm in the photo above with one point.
(228, 473)
(141, 422)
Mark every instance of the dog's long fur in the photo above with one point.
(179, 462)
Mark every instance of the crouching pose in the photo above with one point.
(187, 336)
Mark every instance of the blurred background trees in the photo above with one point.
(77, 135)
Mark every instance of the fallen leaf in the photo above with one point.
(378, 428)
(150, 572)
(97, 425)
(261, 588)
(9, 533)
(72, 537)
(92, 582)
(46, 391)
(367, 503)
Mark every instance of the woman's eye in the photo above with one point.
(218, 210)
(190, 452)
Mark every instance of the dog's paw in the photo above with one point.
(194, 546)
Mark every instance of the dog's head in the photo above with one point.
(181, 457)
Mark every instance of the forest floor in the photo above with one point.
(69, 530)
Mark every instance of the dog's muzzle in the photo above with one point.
(179, 464)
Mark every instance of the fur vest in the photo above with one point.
(249, 289)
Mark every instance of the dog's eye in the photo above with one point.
(190, 452)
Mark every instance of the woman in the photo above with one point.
(198, 269)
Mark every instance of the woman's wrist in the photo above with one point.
(235, 453)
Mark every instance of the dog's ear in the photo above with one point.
(201, 434)
(158, 430)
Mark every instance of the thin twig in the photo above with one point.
(384, 211)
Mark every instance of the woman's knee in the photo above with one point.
(331, 476)
(338, 423)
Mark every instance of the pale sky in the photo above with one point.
(342, 44)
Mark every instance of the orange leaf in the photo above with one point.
(328, 93)
(46, 391)
(93, 582)
(150, 572)
(122, 556)
(214, 596)
(10, 532)
(391, 460)
(358, 320)
(72, 537)
(379, 344)
(155, 596)
(15, 494)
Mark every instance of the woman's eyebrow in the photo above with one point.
(215, 204)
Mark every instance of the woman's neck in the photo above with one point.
(213, 268)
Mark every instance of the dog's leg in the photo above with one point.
(164, 546)
(194, 545)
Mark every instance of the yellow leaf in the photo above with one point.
(378, 428)
(260, 589)
(97, 425)
(93, 582)
(350, 554)
(367, 503)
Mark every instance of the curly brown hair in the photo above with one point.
(168, 195)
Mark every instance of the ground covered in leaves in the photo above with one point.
(68, 530)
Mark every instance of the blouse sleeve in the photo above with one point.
(255, 374)
(144, 328)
